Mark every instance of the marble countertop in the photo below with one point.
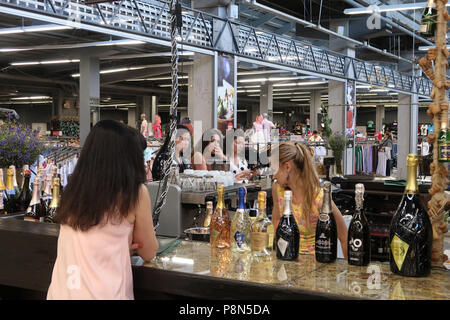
(336, 279)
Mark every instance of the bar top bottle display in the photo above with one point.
(411, 235)
(220, 223)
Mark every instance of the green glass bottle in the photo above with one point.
(428, 23)
(444, 143)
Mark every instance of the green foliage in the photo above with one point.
(19, 145)
(326, 122)
(337, 142)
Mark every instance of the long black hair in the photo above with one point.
(106, 181)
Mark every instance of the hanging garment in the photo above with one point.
(381, 169)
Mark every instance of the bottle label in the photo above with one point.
(259, 241)
(239, 237)
(324, 217)
(424, 28)
(282, 245)
(323, 243)
(444, 152)
(355, 244)
(399, 250)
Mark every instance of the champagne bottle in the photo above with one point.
(262, 233)
(24, 198)
(47, 192)
(3, 193)
(428, 23)
(36, 209)
(411, 235)
(11, 195)
(209, 213)
(240, 226)
(51, 212)
(444, 143)
(220, 223)
(326, 229)
(16, 186)
(359, 232)
(287, 236)
(2, 207)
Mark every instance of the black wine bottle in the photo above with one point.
(359, 232)
(326, 229)
(287, 236)
(24, 198)
(429, 19)
(411, 234)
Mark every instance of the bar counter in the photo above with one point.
(193, 270)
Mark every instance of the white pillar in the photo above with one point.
(266, 99)
(407, 130)
(154, 111)
(314, 109)
(201, 92)
(132, 117)
(380, 114)
(89, 92)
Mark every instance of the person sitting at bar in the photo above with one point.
(212, 152)
(105, 214)
(183, 149)
(296, 172)
(238, 163)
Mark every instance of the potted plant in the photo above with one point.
(337, 143)
(19, 145)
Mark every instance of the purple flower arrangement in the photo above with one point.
(19, 145)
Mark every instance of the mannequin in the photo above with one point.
(267, 126)
(144, 126)
(157, 127)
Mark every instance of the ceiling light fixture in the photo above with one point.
(44, 62)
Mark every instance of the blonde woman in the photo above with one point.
(296, 172)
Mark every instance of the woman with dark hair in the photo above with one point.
(105, 213)
(212, 148)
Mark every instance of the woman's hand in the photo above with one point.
(245, 175)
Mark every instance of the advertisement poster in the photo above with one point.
(350, 127)
(226, 93)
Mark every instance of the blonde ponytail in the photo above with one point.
(304, 163)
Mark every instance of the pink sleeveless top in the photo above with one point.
(94, 264)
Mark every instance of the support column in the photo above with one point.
(154, 111)
(201, 92)
(342, 94)
(380, 114)
(89, 92)
(314, 109)
(407, 131)
(146, 107)
(132, 117)
(266, 100)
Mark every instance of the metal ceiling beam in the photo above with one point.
(263, 19)
(286, 28)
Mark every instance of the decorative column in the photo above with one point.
(438, 112)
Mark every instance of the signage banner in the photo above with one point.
(226, 92)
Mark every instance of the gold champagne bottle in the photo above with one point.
(53, 207)
(220, 223)
(209, 213)
(262, 229)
